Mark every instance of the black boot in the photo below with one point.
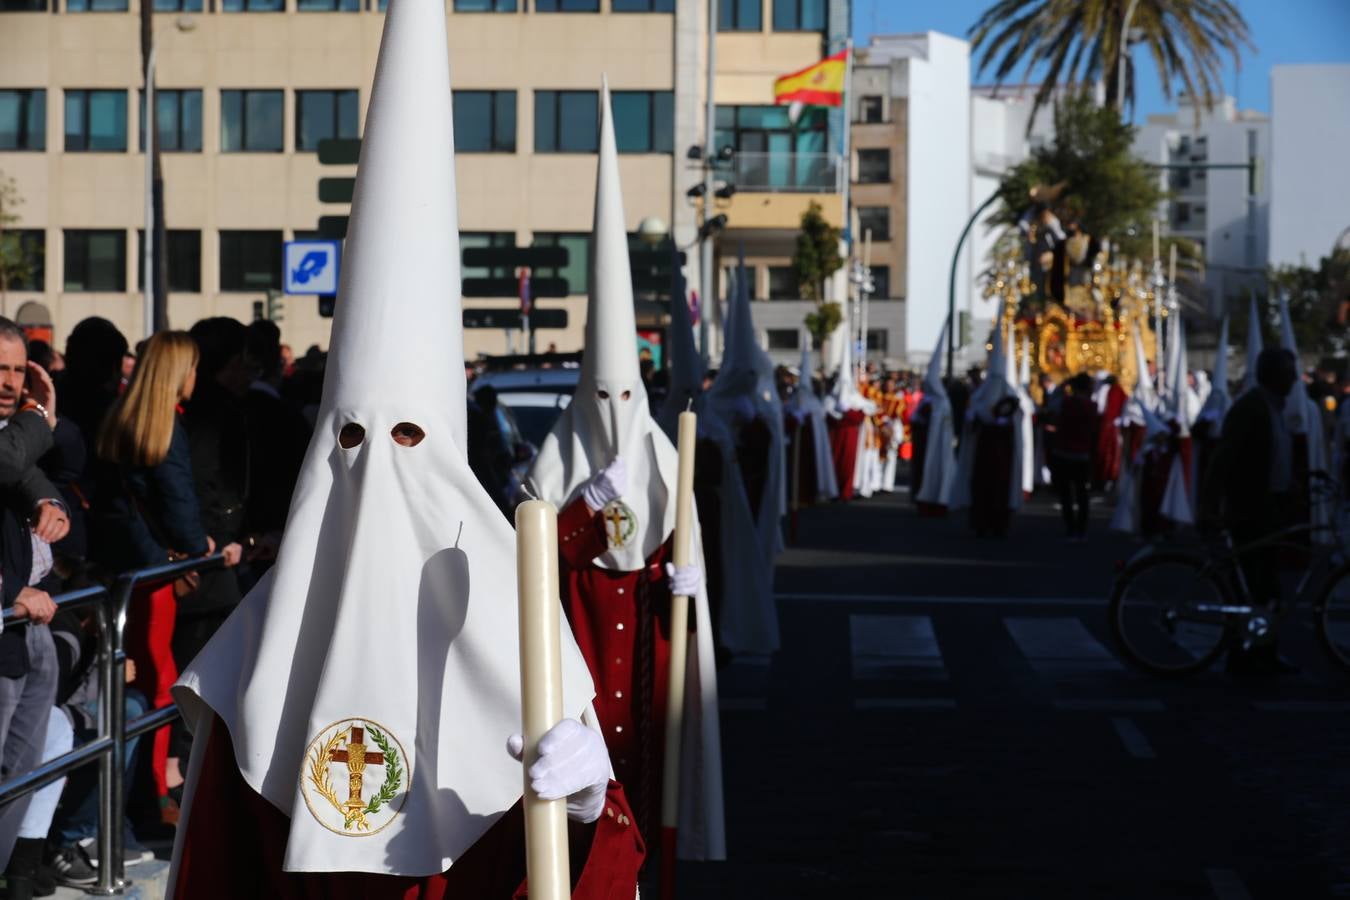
(22, 869)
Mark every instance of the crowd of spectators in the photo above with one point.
(114, 458)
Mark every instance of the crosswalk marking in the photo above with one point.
(1227, 885)
(1059, 644)
(888, 645)
(1135, 743)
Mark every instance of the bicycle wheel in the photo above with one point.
(1168, 614)
(1333, 616)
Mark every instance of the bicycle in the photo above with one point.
(1173, 612)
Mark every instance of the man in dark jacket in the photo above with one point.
(1249, 486)
(278, 439)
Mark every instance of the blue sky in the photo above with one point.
(1284, 31)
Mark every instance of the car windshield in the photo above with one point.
(535, 422)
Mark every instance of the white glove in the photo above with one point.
(606, 486)
(684, 581)
(573, 763)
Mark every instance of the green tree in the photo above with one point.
(1098, 180)
(817, 255)
(15, 265)
(1079, 42)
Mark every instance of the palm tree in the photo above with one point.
(1079, 41)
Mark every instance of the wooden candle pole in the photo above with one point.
(1156, 254)
(541, 692)
(679, 647)
(1172, 266)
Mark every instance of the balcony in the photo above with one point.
(791, 173)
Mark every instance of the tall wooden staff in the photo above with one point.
(679, 646)
(541, 693)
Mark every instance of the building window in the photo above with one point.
(77, 6)
(878, 340)
(96, 121)
(798, 15)
(21, 259)
(177, 5)
(234, 6)
(480, 5)
(871, 109)
(644, 121)
(1181, 214)
(783, 284)
(23, 120)
(251, 121)
(874, 166)
(485, 121)
(96, 261)
(577, 271)
(881, 282)
(23, 6)
(178, 119)
(622, 6)
(323, 114)
(566, 122)
(773, 154)
(328, 5)
(185, 260)
(740, 15)
(876, 219)
(474, 239)
(250, 260)
(784, 339)
(547, 6)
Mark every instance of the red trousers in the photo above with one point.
(148, 641)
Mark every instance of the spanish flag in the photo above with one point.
(819, 85)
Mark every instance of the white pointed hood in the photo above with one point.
(1254, 344)
(744, 391)
(389, 623)
(1144, 391)
(1218, 402)
(1183, 404)
(932, 379)
(686, 365)
(609, 415)
(998, 381)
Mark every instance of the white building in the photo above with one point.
(1221, 209)
(1000, 140)
(1309, 162)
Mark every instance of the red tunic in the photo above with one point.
(609, 612)
(1108, 457)
(845, 435)
(236, 842)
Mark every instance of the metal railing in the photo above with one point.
(806, 173)
(109, 747)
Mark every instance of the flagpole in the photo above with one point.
(847, 163)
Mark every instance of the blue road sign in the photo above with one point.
(311, 267)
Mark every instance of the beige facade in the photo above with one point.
(210, 191)
(522, 193)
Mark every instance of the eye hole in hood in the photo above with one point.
(406, 434)
(351, 436)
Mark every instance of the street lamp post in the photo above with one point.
(707, 277)
(148, 241)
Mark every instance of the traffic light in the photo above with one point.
(275, 311)
(963, 329)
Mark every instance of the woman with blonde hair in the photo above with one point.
(146, 513)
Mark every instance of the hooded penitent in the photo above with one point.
(939, 457)
(1129, 515)
(806, 406)
(1217, 402)
(387, 631)
(748, 622)
(744, 392)
(984, 409)
(609, 417)
(1253, 346)
(1304, 419)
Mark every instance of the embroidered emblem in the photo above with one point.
(374, 763)
(620, 524)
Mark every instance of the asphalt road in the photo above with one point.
(947, 719)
